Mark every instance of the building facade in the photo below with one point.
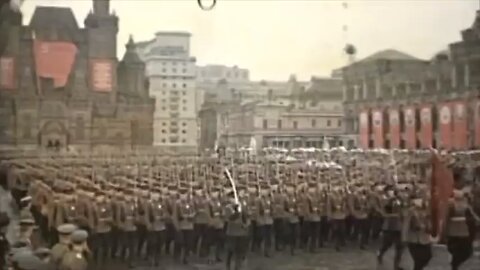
(307, 117)
(393, 100)
(61, 85)
(171, 71)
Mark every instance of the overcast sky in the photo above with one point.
(276, 38)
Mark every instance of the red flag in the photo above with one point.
(445, 126)
(460, 129)
(54, 59)
(441, 188)
(426, 128)
(410, 131)
(378, 140)
(394, 129)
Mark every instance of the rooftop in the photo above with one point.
(390, 54)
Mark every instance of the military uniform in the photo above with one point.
(77, 258)
(102, 214)
(312, 217)
(292, 218)
(279, 217)
(60, 249)
(265, 220)
(201, 219)
(126, 223)
(216, 224)
(338, 213)
(184, 214)
(237, 230)
(157, 216)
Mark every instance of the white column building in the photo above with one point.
(172, 71)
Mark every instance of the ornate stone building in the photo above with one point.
(393, 100)
(62, 85)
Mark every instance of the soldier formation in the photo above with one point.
(94, 211)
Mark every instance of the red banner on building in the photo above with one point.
(477, 123)
(364, 130)
(54, 59)
(378, 134)
(441, 189)
(426, 131)
(394, 119)
(7, 73)
(460, 128)
(445, 128)
(410, 132)
(101, 74)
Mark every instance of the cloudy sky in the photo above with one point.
(276, 38)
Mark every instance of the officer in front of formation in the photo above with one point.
(62, 247)
(237, 229)
(78, 256)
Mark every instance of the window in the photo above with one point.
(164, 100)
(163, 92)
(339, 123)
(184, 141)
(184, 101)
(184, 124)
(174, 63)
(174, 139)
(295, 124)
(265, 123)
(184, 131)
(184, 85)
(164, 124)
(163, 108)
(329, 122)
(184, 93)
(163, 140)
(279, 124)
(174, 85)
(164, 131)
(164, 70)
(174, 70)
(164, 84)
(314, 123)
(184, 70)
(184, 108)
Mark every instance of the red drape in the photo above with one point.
(426, 126)
(460, 129)
(378, 139)
(54, 59)
(101, 74)
(477, 123)
(410, 131)
(445, 128)
(394, 128)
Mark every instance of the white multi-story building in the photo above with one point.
(172, 71)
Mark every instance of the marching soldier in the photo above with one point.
(237, 231)
(279, 215)
(338, 213)
(358, 208)
(416, 232)
(157, 214)
(312, 218)
(216, 224)
(126, 223)
(201, 221)
(292, 217)
(102, 214)
(265, 220)
(141, 217)
(391, 212)
(184, 214)
(60, 249)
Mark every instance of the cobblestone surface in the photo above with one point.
(325, 259)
